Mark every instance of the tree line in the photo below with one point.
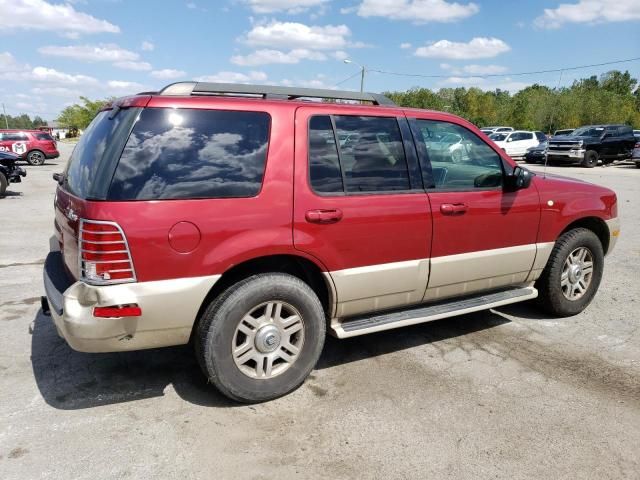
(20, 122)
(614, 97)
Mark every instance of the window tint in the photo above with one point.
(187, 153)
(91, 164)
(324, 165)
(624, 131)
(465, 165)
(372, 154)
(43, 136)
(14, 137)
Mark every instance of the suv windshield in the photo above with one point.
(588, 132)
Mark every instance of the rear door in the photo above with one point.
(483, 237)
(360, 207)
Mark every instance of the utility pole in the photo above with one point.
(6, 120)
(362, 70)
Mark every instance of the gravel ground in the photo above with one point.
(499, 394)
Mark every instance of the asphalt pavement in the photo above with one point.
(509, 393)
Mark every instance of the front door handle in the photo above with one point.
(324, 216)
(453, 208)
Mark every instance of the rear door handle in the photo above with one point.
(453, 208)
(324, 216)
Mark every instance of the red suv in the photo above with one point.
(34, 146)
(249, 222)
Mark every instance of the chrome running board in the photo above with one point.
(377, 322)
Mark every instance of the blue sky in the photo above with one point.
(52, 52)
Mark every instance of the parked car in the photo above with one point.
(9, 171)
(34, 146)
(489, 130)
(636, 133)
(243, 226)
(586, 145)
(516, 143)
(565, 131)
(536, 154)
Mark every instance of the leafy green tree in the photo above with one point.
(80, 115)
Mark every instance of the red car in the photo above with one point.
(249, 222)
(34, 146)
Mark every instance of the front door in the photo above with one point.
(483, 236)
(360, 207)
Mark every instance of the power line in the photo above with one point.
(555, 70)
(347, 79)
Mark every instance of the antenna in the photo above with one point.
(546, 153)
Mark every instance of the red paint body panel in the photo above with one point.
(23, 147)
(572, 200)
(374, 229)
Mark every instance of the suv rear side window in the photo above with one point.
(371, 158)
(189, 153)
(42, 136)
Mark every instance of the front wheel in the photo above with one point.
(572, 275)
(590, 159)
(4, 183)
(35, 158)
(261, 338)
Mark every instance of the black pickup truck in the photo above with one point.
(9, 171)
(587, 145)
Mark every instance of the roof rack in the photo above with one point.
(270, 92)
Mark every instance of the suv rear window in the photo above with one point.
(189, 153)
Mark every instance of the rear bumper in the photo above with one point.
(169, 310)
(51, 155)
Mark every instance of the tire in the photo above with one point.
(3, 185)
(456, 156)
(224, 326)
(35, 158)
(553, 296)
(590, 159)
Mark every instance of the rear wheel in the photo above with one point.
(261, 338)
(3, 185)
(572, 275)
(35, 158)
(590, 159)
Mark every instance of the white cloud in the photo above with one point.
(474, 69)
(340, 55)
(298, 35)
(268, 56)
(50, 75)
(104, 52)
(41, 15)
(55, 92)
(191, 6)
(419, 11)
(147, 46)
(479, 47)
(289, 6)
(168, 73)
(405, 45)
(234, 77)
(124, 86)
(589, 11)
(136, 66)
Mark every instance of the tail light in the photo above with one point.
(104, 254)
(637, 145)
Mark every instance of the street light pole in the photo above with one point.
(6, 120)
(362, 70)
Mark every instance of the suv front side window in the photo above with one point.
(467, 165)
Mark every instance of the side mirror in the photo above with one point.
(520, 178)
(59, 177)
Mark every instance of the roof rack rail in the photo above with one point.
(270, 92)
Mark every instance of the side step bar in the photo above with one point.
(377, 322)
